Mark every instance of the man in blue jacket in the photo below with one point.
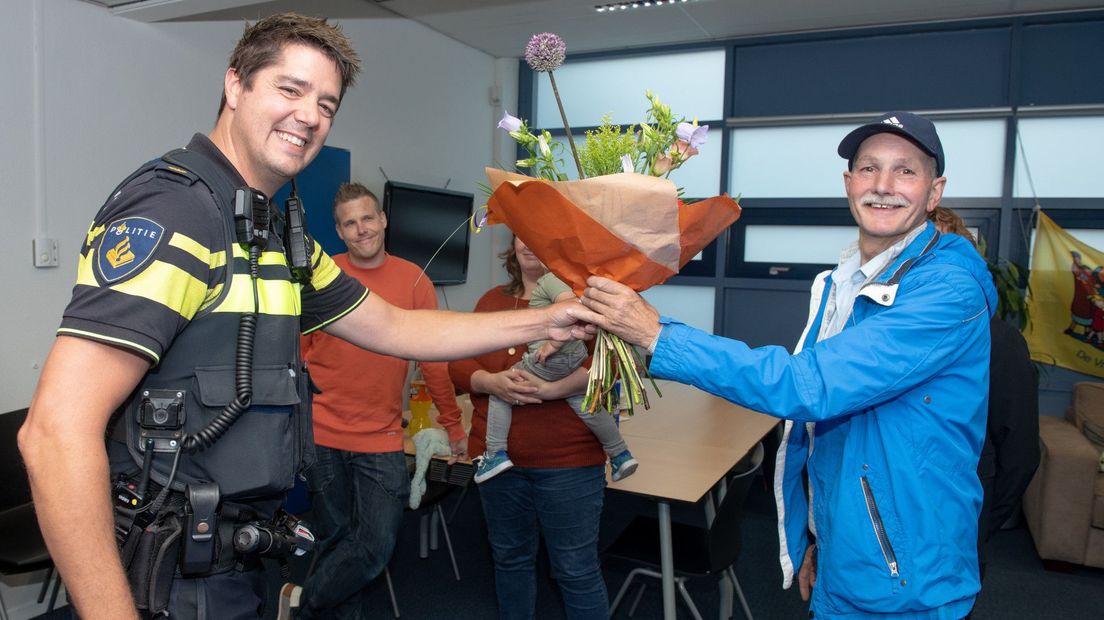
(884, 399)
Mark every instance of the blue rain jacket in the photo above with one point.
(887, 418)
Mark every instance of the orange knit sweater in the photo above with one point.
(360, 407)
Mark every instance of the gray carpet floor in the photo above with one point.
(1016, 584)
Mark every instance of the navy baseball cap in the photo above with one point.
(917, 129)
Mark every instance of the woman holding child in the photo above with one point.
(556, 485)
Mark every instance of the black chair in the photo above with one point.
(698, 551)
(22, 549)
(441, 480)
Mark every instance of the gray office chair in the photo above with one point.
(698, 551)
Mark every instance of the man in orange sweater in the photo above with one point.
(360, 481)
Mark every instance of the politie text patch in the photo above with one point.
(126, 246)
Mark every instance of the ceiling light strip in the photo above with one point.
(633, 4)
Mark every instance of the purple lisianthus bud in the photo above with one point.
(545, 52)
(693, 135)
(509, 123)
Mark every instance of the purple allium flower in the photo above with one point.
(694, 136)
(509, 123)
(545, 52)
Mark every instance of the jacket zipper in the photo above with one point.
(879, 528)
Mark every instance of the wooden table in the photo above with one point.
(685, 444)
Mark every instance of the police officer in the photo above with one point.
(152, 342)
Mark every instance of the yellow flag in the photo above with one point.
(1066, 301)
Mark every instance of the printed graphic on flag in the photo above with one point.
(1066, 301)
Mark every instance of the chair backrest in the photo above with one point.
(442, 479)
(15, 490)
(723, 538)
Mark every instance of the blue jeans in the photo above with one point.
(563, 504)
(358, 501)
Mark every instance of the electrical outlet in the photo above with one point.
(45, 252)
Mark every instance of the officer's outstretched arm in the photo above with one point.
(430, 335)
(62, 443)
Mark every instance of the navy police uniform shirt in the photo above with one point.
(156, 255)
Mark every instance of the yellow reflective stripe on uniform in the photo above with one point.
(167, 285)
(67, 331)
(84, 269)
(93, 233)
(325, 272)
(198, 250)
(267, 258)
(273, 258)
(276, 296)
(212, 296)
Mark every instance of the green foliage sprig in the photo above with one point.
(544, 159)
(605, 146)
(1010, 280)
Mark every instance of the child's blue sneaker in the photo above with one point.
(622, 466)
(490, 465)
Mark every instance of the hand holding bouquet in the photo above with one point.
(622, 220)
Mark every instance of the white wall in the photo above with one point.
(103, 94)
(422, 111)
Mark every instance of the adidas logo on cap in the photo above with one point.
(916, 128)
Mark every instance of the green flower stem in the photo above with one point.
(567, 128)
(615, 360)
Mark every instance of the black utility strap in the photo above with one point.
(209, 174)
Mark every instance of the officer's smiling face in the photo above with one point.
(280, 121)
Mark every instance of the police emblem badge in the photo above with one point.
(125, 246)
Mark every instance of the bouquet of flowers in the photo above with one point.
(622, 220)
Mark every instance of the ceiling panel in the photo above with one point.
(502, 27)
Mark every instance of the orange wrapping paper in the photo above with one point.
(625, 227)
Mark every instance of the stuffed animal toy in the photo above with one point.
(428, 442)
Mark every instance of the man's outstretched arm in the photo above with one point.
(442, 335)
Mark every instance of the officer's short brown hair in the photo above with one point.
(263, 42)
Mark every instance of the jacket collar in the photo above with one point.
(883, 288)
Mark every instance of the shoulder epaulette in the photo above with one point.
(189, 166)
(170, 166)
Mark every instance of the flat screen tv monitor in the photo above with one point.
(425, 223)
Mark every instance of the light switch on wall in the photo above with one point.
(45, 252)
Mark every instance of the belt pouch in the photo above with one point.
(154, 565)
(201, 527)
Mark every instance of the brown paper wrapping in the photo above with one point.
(625, 227)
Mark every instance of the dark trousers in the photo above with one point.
(232, 596)
(357, 505)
